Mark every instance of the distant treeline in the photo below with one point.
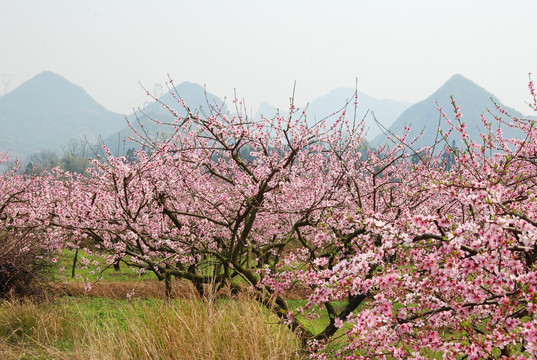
(74, 157)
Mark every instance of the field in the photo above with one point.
(99, 328)
(125, 316)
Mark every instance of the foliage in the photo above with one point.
(24, 259)
(425, 252)
(74, 157)
(24, 264)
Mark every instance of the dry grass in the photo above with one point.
(33, 331)
(95, 329)
(148, 289)
(194, 330)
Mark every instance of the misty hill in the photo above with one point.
(472, 99)
(385, 111)
(47, 111)
(267, 110)
(195, 97)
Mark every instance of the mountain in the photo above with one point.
(472, 99)
(385, 111)
(198, 100)
(48, 111)
(267, 110)
(196, 97)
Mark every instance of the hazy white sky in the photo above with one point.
(398, 49)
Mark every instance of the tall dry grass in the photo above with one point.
(34, 331)
(184, 329)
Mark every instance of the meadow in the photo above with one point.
(126, 316)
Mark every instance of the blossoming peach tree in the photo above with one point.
(25, 257)
(410, 253)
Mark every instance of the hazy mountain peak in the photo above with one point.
(195, 97)
(458, 78)
(47, 79)
(48, 89)
(266, 109)
(472, 99)
(187, 85)
(459, 87)
(47, 111)
(385, 111)
(48, 76)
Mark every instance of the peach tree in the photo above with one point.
(410, 252)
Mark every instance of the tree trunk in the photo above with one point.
(168, 284)
(75, 259)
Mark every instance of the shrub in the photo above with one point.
(23, 264)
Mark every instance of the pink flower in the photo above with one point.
(338, 323)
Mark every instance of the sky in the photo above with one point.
(397, 49)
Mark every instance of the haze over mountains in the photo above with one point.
(48, 111)
(424, 116)
(386, 111)
(194, 96)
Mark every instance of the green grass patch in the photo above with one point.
(96, 269)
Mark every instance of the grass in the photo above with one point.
(98, 269)
(105, 323)
(105, 281)
(125, 316)
(96, 328)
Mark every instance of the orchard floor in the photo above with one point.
(131, 320)
(148, 289)
(125, 316)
